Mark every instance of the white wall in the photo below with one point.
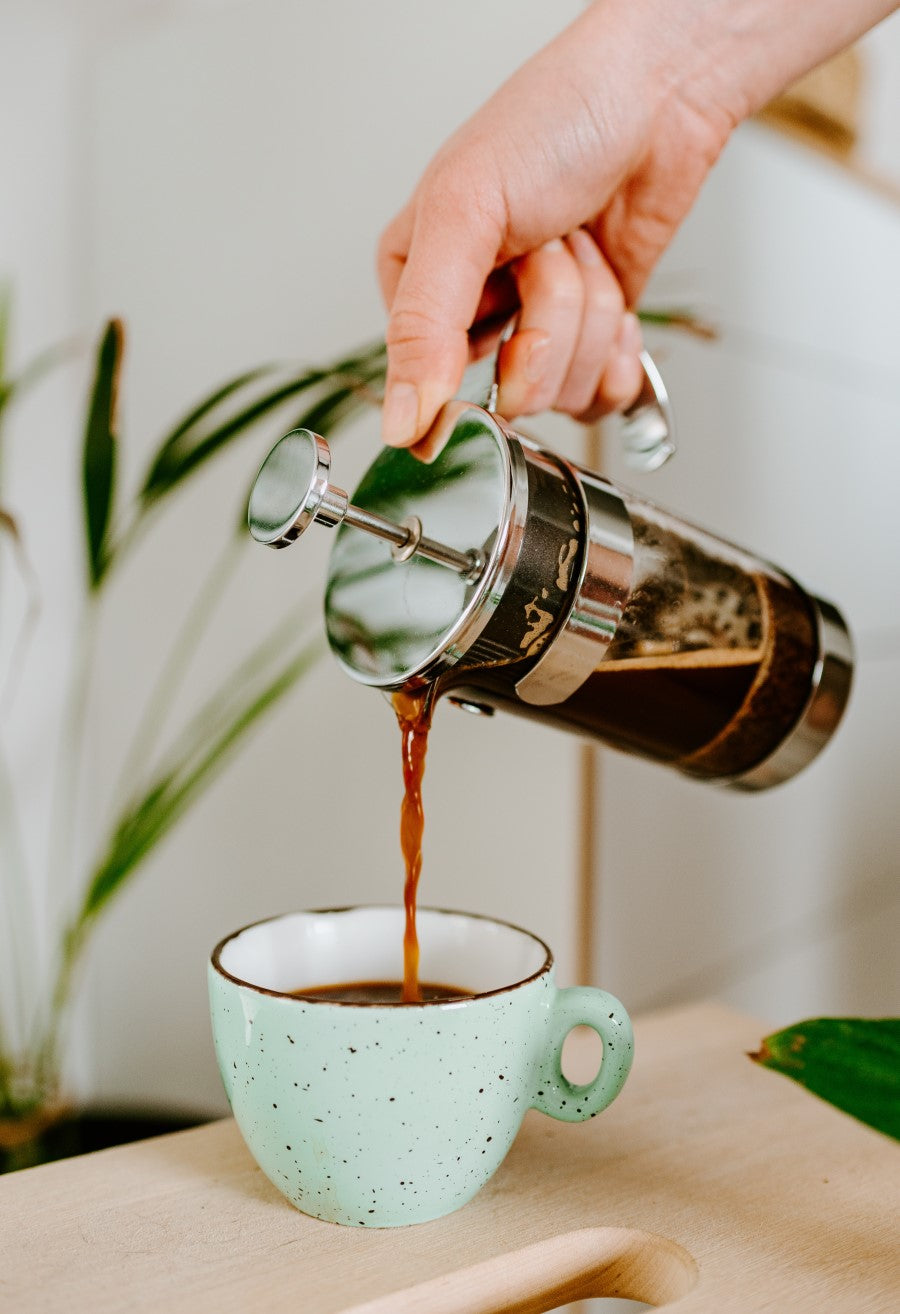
(218, 173)
(785, 904)
(879, 146)
(41, 242)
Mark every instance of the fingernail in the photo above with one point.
(400, 414)
(536, 361)
(630, 341)
(584, 248)
(555, 244)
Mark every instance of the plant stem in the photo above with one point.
(10, 681)
(174, 669)
(68, 762)
(47, 1051)
(22, 934)
(206, 757)
(219, 708)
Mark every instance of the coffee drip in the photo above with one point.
(413, 709)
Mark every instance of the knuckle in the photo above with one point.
(459, 186)
(409, 324)
(554, 277)
(615, 394)
(576, 397)
(541, 397)
(418, 341)
(605, 298)
(388, 248)
(567, 298)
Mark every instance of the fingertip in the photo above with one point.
(428, 449)
(409, 414)
(622, 381)
(400, 415)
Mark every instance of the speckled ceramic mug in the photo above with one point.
(377, 1115)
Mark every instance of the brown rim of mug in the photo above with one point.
(215, 959)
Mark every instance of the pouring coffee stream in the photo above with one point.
(544, 589)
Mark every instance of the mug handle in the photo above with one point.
(584, 1006)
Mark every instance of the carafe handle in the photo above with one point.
(647, 427)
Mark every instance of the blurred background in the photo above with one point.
(217, 173)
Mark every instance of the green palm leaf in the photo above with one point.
(333, 409)
(99, 453)
(186, 450)
(5, 311)
(202, 753)
(207, 430)
(330, 410)
(852, 1062)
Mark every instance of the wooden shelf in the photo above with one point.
(710, 1182)
(823, 112)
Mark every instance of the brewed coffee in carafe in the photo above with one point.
(506, 577)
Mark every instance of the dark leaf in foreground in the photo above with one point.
(852, 1062)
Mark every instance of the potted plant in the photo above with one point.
(159, 782)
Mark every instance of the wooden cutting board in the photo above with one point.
(711, 1184)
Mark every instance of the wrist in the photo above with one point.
(728, 58)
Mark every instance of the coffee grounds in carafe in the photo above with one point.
(686, 653)
(713, 660)
(779, 690)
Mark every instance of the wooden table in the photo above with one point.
(710, 1183)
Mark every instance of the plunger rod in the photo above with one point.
(408, 540)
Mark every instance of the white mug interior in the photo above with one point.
(321, 948)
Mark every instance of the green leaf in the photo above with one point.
(203, 408)
(852, 1062)
(678, 318)
(33, 372)
(219, 730)
(5, 312)
(16, 663)
(206, 430)
(326, 413)
(187, 447)
(334, 408)
(10, 525)
(99, 458)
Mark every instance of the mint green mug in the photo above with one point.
(377, 1115)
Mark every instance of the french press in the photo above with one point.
(544, 589)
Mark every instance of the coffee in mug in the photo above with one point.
(381, 992)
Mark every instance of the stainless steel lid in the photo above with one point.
(389, 620)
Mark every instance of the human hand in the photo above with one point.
(558, 197)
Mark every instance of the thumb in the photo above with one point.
(452, 250)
